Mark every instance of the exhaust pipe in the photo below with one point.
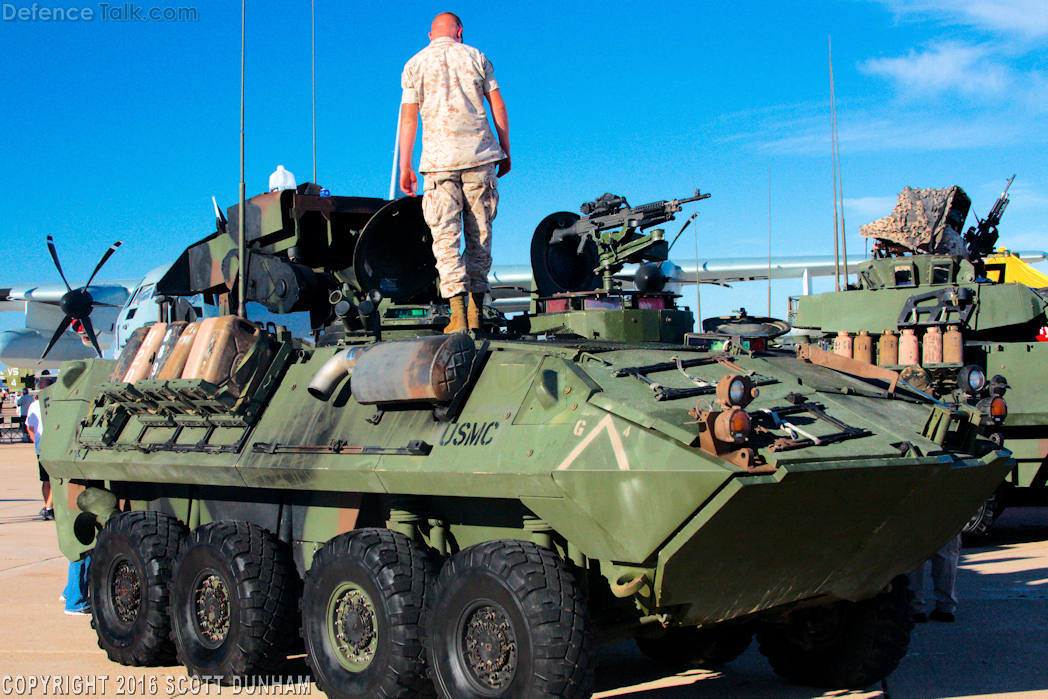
(334, 370)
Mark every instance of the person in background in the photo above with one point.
(33, 426)
(24, 401)
(75, 595)
(447, 83)
(944, 583)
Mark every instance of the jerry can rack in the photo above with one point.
(171, 407)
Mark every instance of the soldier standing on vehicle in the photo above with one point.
(446, 83)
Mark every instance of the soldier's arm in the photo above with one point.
(408, 129)
(501, 116)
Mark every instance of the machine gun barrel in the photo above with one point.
(611, 211)
(981, 239)
(999, 206)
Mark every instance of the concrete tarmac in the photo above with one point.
(996, 648)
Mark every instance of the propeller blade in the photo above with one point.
(54, 256)
(108, 253)
(90, 330)
(58, 333)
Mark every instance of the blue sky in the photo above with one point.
(124, 130)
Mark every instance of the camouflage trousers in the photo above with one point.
(457, 202)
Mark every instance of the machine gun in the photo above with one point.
(609, 211)
(981, 239)
(612, 224)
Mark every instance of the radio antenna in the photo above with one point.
(314, 16)
(396, 154)
(833, 161)
(241, 223)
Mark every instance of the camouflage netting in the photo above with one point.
(924, 220)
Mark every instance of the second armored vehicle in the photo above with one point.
(930, 310)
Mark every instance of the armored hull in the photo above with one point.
(483, 511)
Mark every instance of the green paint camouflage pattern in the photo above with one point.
(558, 435)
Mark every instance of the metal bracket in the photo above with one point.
(948, 301)
(415, 447)
(800, 438)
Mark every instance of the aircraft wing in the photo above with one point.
(510, 283)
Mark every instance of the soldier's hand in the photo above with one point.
(504, 166)
(408, 181)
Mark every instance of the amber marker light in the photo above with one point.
(733, 425)
(998, 408)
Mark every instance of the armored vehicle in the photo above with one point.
(476, 515)
(972, 335)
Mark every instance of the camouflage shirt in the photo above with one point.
(448, 81)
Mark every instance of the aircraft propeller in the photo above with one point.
(77, 303)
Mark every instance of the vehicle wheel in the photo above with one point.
(130, 570)
(234, 594)
(361, 616)
(846, 645)
(507, 619)
(979, 525)
(698, 648)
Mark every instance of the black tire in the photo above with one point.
(847, 645)
(979, 525)
(692, 647)
(370, 586)
(507, 619)
(130, 570)
(234, 602)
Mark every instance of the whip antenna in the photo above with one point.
(242, 246)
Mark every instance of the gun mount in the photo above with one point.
(576, 262)
(608, 237)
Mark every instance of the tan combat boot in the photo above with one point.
(458, 315)
(475, 312)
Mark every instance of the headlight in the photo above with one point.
(972, 379)
(736, 390)
(732, 426)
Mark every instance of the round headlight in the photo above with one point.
(732, 426)
(736, 390)
(972, 379)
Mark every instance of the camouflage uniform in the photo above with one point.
(449, 82)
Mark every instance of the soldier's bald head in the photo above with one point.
(446, 24)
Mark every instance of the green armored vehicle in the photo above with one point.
(970, 339)
(477, 515)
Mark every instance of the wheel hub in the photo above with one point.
(212, 608)
(491, 647)
(353, 627)
(126, 592)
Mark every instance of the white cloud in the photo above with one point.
(912, 132)
(868, 209)
(1027, 18)
(949, 68)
